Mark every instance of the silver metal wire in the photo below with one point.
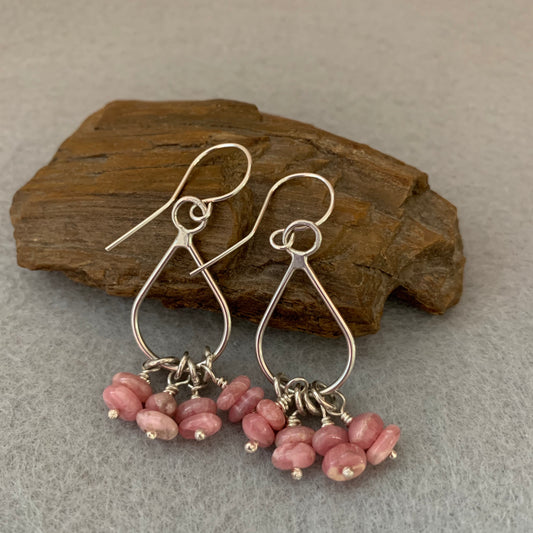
(184, 239)
(299, 394)
(182, 183)
(271, 192)
(299, 261)
(337, 401)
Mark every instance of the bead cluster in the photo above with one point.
(130, 397)
(345, 452)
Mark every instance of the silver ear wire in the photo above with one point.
(179, 188)
(184, 240)
(271, 192)
(299, 261)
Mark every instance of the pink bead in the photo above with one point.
(295, 434)
(162, 402)
(157, 424)
(327, 437)
(364, 429)
(138, 385)
(123, 400)
(344, 462)
(272, 413)
(245, 404)
(258, 430)
(383, 445)
(206, 424)
(293, 455)
(195, 406)
(233, 392)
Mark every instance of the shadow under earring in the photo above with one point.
(265, 422)
(130, 396)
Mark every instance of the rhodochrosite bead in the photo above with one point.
(233, 392)
(123, 400)
(138, 385)
(383, 445)
(157, 425)
(293, 455)
(162, 402)
(327, 437)
(193, 407)
(344, 461)
(295, 434)
(272, 413)
(258, 430)
(364, 429)
(245, 404)
(200, 426)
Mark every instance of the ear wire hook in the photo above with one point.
(299, 261)
(179, 188)
(184, 240)
(271, 192)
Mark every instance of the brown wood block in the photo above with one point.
(388, 233)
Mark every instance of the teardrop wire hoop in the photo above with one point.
(184, 239)
(299, 261)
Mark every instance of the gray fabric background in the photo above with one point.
(445, 86)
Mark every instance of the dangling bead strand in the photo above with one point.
(344, 461)
(383, 446)
(156, 419)
(232, 392)
(366, 430)
(272, 413)
(157, 425)
(328, 436)
(245, 404)
(139, 384)
(258, 431)
(293, 448)
(126, 394)
(200, 426)
(122, 402)
(197, 418)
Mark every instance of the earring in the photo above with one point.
(345, 451)
(130, 396)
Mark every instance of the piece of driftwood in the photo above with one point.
(388, 233)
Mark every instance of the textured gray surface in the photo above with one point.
(445, 86)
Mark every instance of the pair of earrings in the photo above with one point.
(265, 422)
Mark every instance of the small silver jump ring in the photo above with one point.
(184, 361)
(205, 214)
(153, 365)
(208, 373)
(172, 380)
(279, 385)
(333, 408)
(300, 225)
(196, 202)
(310, 406)
(296, 381)
(322, 400)
(277, 246)
(193, 373)
(299, 395)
